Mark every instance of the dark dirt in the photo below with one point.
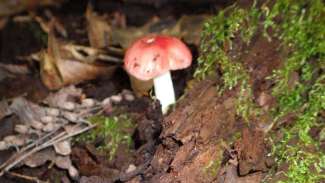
(251, 152)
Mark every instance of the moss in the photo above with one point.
(212, 168)
(112, 131)
(217, 38)
(301, 31)
(300, 27)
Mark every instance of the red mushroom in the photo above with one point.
(152, 57)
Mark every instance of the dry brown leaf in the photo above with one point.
(45, 25)
(27, 112)
(40, 158)
(60, 67)
(187, 28)
(63, 147)
(64, 162)
(99, 31)
(64, 95)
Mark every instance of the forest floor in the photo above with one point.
(214, 132)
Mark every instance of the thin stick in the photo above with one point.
(45, 145)
(108, 58)
(35, 143)
(26, 177)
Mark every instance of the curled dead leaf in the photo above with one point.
(99, 31)
(62, 64)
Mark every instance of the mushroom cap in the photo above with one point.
(151, 56)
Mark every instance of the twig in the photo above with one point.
(35, 143)
(109, 58)
(26, 177)
(54, 140)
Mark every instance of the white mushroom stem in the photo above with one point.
(164, 91)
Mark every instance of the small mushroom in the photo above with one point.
(152, 57)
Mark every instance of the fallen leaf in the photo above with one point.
(67, 94)
(63, 162)
(63, 147)
(60, 67)
(99, 31)
(187, 28)
(40, 158)
(27, 112)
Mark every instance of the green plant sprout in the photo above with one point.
(114, 131)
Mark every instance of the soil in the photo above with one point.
(200, 140)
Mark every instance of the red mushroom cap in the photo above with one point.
(151, 56)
